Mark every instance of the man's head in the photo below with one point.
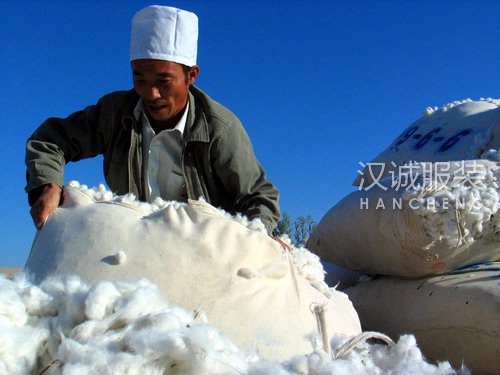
(163, 50)
(163, 87)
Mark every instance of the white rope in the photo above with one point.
(362, 337)
(319, 312)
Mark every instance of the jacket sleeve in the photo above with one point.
(242, 175)
(61, 140)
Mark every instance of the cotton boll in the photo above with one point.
(405, 358)
(298, 365)
(212, 352)
(307, 364)
(73, 184)
(82, 359)
(308, 264)
(127, 287)
(12, 309)
(54, 286)
(231, 359)
(124, 363)
(356, 365)
(19, 347)
(183, 315)
(38, 302)
(316, 360)
(101, 300)
(428, 111)
(73, 306)
(165, 320)
(167, 349)
(204, 338)
(257, 225)
(266, 368)
(248, 273)
(154, 342)
(254, 224)
(85, 330)
(140, 302)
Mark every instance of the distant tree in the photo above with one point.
(303, 229)
(284, 226)
(299, 231)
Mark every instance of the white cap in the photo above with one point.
(164, 33)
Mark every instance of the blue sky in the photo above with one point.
(319, 85)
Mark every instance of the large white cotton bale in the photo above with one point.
(458, 131)
(429, 228)
(455, 316)
(240, 279)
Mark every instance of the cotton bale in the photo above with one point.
(414, 226)
(240, 279)
(462, 130)
(454, 316)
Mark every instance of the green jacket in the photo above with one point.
(218, 161)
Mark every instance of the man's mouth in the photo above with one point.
(156, 107)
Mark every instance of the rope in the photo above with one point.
(55, 363)
(319, 312)
(362, 337)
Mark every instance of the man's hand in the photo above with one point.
(280, 241)
(48, 201)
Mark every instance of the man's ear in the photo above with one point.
(193, 74)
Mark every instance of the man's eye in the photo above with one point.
(139, 81)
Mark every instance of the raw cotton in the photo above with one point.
(430, 110)
(101, 194)
(69, 327)
(462, 210)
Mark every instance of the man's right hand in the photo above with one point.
(48, 201)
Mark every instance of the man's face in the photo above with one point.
(163, 87)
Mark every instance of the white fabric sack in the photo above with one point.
(454, 316)
(426, 228)
(458, 131)
(164, 33)
(241, 279)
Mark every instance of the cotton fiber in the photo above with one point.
(136, 331)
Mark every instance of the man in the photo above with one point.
(165, 138)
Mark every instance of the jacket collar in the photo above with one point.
(197, 124)
(128, 118)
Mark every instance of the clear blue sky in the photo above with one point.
(319, 85)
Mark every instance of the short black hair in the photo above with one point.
(186, 70)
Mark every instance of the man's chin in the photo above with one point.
(161, 115)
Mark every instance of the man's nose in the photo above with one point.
(153, 93)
